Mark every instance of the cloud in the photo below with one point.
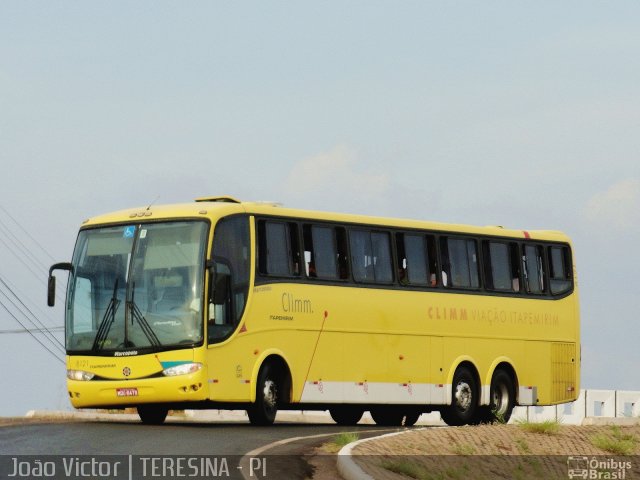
(618, 207)
(337, 180)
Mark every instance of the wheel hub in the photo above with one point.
(464, 396)
(269, 393)
(500, 399)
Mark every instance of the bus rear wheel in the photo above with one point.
(152, 414)
(346, 415)
(464, 399)
(263, 411)
(503, 397)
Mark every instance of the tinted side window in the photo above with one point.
(278, 249)
(320, 254)
(361, 263)
(371, 256)
(382, 257)
(561, 270)
(460, 263)
(533, 267)
(416, 259)
(501, 266)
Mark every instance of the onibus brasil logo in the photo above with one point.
(597, 468)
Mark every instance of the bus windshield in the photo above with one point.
(136, 287)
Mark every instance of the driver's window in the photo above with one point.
(229, 277)
(220, 307)
(83, 306)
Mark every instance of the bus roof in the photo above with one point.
(217, 207)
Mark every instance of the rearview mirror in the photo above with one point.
(51, 291)
(51, 284)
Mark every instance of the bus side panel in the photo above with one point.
(437, 372)
(370, 350)
(323, 384)
(535, 375)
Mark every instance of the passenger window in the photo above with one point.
(371, 256)
(320, 253)
(533, 267)
(460, 263)
(561, 270)
(501, 266)
(278, 249)
(416, 260)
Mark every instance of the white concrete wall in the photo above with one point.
(604, 404)
(592, 406)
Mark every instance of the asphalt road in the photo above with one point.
(232, 439)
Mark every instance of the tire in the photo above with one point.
(346, 415)
(503, 397)
(393, 417)
(387, 417)
(464, 399)
(152, 414)
(263, 411)
(410, 418)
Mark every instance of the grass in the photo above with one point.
(498, 418)
(617, 442)
(404, 467)
(464, 449)
(419, 472)
(523, 446)
(339, 441)
(548, 427)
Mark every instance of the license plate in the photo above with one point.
(127, 392)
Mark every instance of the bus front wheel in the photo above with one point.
(152, 414)
(263, 411)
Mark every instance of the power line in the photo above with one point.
(25, 252)
(32, 334)
(26, 257)
(39, 275)
(22, 252)
(42, 312)
(28, 234)
(51, 339)
(35, 321)
(34, 330)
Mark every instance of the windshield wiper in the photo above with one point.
(107, 320)
(136, 314)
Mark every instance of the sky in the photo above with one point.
(522, 114)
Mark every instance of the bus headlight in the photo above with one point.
(79, 375)
(184, 369)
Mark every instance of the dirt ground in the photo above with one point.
(493, 451)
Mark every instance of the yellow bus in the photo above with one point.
(222, 304)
